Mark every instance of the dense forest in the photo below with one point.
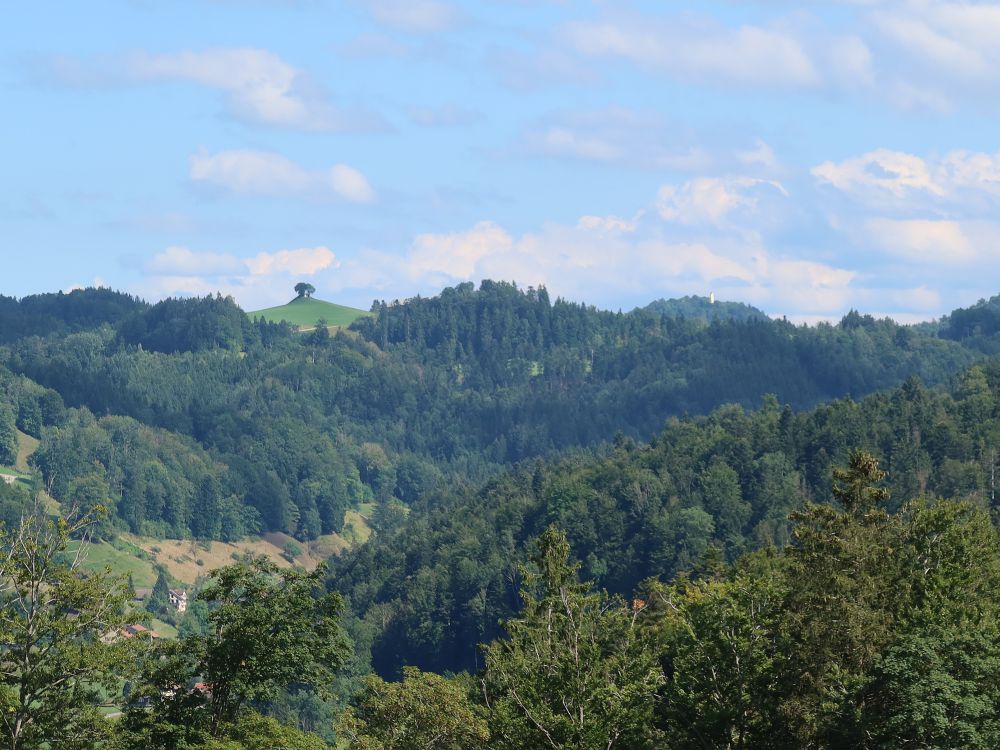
(301, 427)
(687, 454)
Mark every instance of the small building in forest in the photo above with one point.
(178, 599)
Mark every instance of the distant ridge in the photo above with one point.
(303, 312)
(702, 308)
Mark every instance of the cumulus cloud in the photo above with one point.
(708, 200)
(894, 172)
(960, 179)
(266, 173)
(597, 259)
(929, 213)
(255, 281)
(929, 241)
(304, 261)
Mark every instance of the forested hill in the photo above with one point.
(191, 419)
(429, 589)
(705, 308)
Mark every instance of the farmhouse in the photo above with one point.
(178, 599)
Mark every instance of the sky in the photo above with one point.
(804, 157)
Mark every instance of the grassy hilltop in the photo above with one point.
(305, 311)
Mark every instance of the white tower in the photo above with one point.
(711, 298)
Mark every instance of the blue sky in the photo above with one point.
(804, 157)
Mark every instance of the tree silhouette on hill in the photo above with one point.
(302, 289)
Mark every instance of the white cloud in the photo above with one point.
(709, 200)
(959, 38)
(180, 261)
(255, 282)
(601, 260)
(561, 141)
(266, 173)
(350, 184)
(415, 16)
(249, 171)
(259, 86)
(926, 241)
(305, 261)
(961, 180)
(894, 172)
(619, 135)
(748, 55)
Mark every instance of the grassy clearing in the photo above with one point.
(121, 561)
(356, 528)
(163, 629)
(26, 445)
(304, 312)
(186, 559)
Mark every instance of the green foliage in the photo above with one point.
(8, 436)
(702, 308)
(302, 289)
(269, 630)
(716, 639)
(574, 671)
(54, 658)
(43, 314)
(423, 710)
(158, 602)
(187, 325)
(637, 511)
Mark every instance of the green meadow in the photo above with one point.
(303, 312)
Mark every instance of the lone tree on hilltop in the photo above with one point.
(304, 290)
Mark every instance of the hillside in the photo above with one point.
(200, 422)
(726, 482)
(303, 312)
(705, 308)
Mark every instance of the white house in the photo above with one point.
(178, 600)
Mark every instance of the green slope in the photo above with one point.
(305, 311)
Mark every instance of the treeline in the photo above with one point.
(429, 590)
(45, 314)
(446, 390)
(872, 629)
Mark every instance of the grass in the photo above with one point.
(163, 629)
(356, 528)
(26, 445)
(303, 312)
(121, 562)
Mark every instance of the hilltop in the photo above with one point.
(303, 312)
(704, 308)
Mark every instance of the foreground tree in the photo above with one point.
(717, 640)
(574, 671)
(54, 662)
(269, 630)
(423, 711)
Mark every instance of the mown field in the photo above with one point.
(303, 312)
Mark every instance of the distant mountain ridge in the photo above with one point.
(705, 308)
